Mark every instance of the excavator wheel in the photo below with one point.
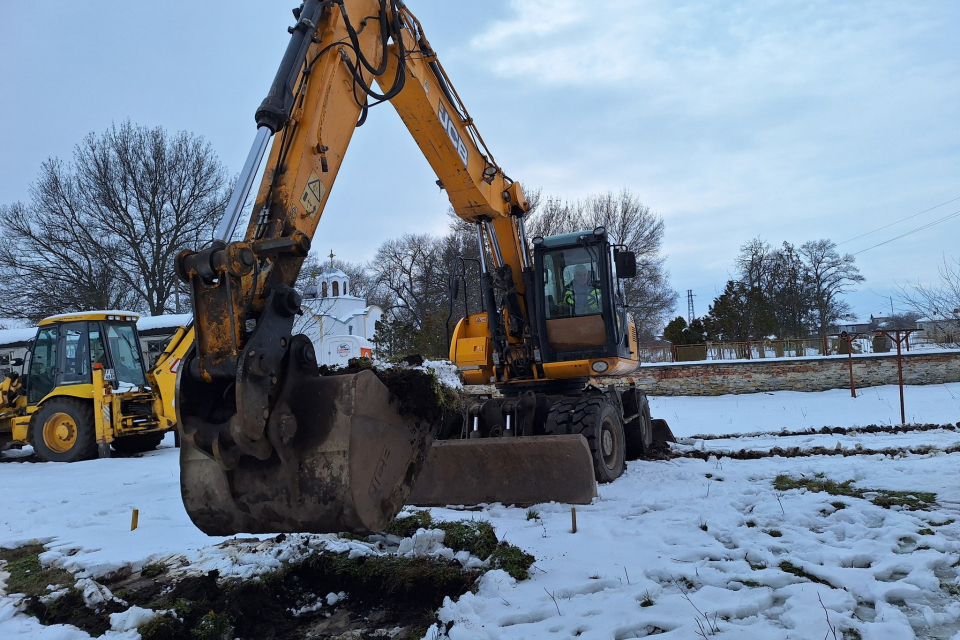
(598, 421)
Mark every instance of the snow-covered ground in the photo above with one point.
(670, 548)
(796, 410)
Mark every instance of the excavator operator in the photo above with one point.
(582, 294)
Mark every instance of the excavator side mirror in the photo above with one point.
(626, 264)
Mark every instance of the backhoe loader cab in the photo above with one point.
(82, 389)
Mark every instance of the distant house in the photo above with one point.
(875, 323)
(940, 329)
(13, 345)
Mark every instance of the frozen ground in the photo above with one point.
(703, 544)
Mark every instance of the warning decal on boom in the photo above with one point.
(313, 195)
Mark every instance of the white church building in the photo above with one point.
(340, 325)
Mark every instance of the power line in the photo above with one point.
(902, 235)
(898, 221)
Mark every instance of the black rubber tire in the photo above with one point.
(138, 443)
(81, 411)
(598, 421)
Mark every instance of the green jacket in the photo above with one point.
(592, 302)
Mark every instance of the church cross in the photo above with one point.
(331, 256)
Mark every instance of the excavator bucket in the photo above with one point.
(350, 466)
(520, 470)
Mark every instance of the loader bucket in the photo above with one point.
(355, 459)
(521, 471)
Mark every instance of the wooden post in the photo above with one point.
(134, 519)
(573, 518)
(903, 417)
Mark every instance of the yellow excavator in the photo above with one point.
(269, 444)
(85, 389)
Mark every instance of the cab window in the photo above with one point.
(75, 367)
(125, 352)
(571, 283)
(43, 365)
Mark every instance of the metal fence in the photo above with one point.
(750, 350)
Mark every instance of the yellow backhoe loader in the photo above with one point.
(84, 389)
(268, 444)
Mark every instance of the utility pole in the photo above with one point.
(690, 314)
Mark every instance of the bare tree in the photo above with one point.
(831, 275)
(755, 263)
(48, 266)
(152, 194)
(628, 222)
(938, 303)
(103, 231)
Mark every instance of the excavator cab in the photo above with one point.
(584, 325)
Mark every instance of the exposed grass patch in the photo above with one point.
(753, 584)
(788, 567)
(836, 504)
(647, 600)
(353, 536)
(153, 570)
(750, 524)
(708, 475)
(926, 532)
(28, 576)
(513, 560)
(942, 524)
(851, 634)
(533, 514)
(475, 536)
(911, 500)
(406, 526)
(774, 533)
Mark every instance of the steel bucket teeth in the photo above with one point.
(352, 464)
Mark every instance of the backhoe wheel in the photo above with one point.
(598, 421)
(138, 443)
(62, 430)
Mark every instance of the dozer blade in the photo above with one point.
(520, 471)
(354, 461)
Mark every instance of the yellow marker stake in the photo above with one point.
(573, 518)
(136, 517)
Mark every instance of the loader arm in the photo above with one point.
(257, 421)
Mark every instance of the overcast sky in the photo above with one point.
(784, 120)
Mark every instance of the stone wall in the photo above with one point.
(802, 374)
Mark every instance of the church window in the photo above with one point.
(323, 290)
(351, 329)
(336, 288)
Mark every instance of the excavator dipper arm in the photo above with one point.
(269, 445)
